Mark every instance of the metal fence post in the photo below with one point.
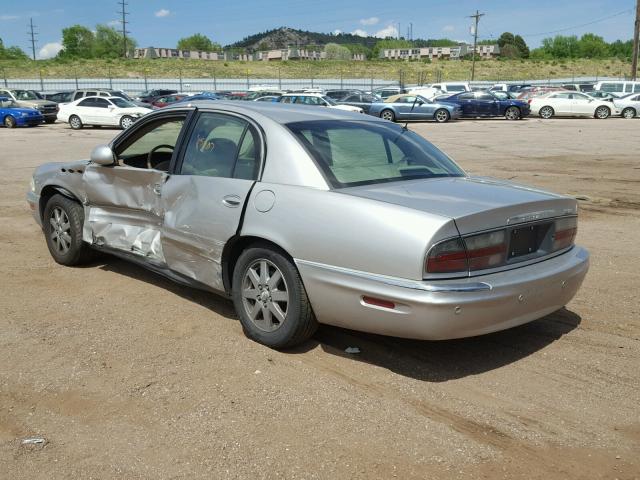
(41, 81)
(215, 83)
(279, 79)
(110, 79)
(146, 87)
(372, 83)
(341, 80)
(180, 77)
(4, 76)
(248, 83)
(75, 74)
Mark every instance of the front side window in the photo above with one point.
(222, 146)
(151, 145)
(361, 153)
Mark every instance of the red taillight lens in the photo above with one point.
(487, 250)
(447, 257)
(529, 101)
(565, 234)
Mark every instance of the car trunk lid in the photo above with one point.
(474, 203)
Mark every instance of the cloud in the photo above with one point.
(163, 12)
(448, 28)
(370, 21)
(9, 17)
(49, 50)
(114, 23)
(388, 31)
(337, 31)
(359, 32)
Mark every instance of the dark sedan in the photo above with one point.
(362, 100)
(149, 96)
(60, 97)
(486, 104)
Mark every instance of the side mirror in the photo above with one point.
(111, 107)
(103, 155)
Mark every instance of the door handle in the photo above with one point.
(231, 201)
(157, 188)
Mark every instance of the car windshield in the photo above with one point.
(329, 100)
(120, 102)
(24, 95)
(361, 153)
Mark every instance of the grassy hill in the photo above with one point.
(413, 71)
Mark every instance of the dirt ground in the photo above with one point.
(127, 375)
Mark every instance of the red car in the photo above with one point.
(167, 100)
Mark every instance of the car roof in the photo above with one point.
(279, 112)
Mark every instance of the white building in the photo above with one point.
(435, 53)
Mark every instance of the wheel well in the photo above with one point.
(234, 248)
(49, 191)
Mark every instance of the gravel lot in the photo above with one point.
(129, 376)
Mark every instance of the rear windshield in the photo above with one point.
(352, 153)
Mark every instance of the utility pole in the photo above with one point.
(399, 34)
(410, 30)
(636, 34)
(475, 42)
(124, 22)
(33, 35)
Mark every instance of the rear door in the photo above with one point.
(561, 103)
(467, 102)
(124, 208)
(486, 104)
(203, 201)
(582, 104)
(86, 110)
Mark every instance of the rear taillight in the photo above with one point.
(487, 250)
(565, 232)
(529, 101)
(447, 257)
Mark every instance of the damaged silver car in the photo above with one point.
(305, 216)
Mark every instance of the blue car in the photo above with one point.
(414, 107)
(486, 104)
(199, 96)
(14, 116)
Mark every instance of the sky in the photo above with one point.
(161, 23)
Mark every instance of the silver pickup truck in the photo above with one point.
(28, 99)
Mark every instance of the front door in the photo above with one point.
(124, 209)
(203, 201)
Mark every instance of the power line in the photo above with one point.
(124, 22)
(629, 10)
(32, 34)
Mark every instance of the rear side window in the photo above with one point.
(89, 102)
(361, 153)
(222, 146)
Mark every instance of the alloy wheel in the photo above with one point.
(628, 113)
(264, 295)
(60, 230)
(512, 113)
(546, 112)
(75, 122)
(387, 115)
(602, 112)
(126, 122)
(442, 116)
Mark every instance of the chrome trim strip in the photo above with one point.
(401, 282)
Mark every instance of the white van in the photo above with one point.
(617, 88)
(452, 87)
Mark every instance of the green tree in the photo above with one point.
(199, 42)
(507, 38)
(337, 52)
(522, 46)
(560, 47)
(109, 43)
(11, 53)
(592, 46)
(77, 42)
(621, 49)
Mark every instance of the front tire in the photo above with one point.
(9, 122)
(388, 115)
(602, 112)
(270, 299)
(441, 115)
(126, 122)
(62, 224)
(546, 112)
(629, 112)
(512, 113)
(75, 122)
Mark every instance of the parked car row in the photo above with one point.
(439, 102)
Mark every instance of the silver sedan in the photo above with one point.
(305, 216)
(629, 105)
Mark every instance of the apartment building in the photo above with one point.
(437, 53)
(266, 55)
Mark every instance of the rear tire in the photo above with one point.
(270, 299)
(388, 115)
(512, 113)
(629, 112)
(441, 115)
(602, 112)
(75, 122)
(546, 112)
(62, 225)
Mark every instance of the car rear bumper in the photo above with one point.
(444, 309)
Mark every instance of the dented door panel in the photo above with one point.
(200, 215)
(124, 210)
